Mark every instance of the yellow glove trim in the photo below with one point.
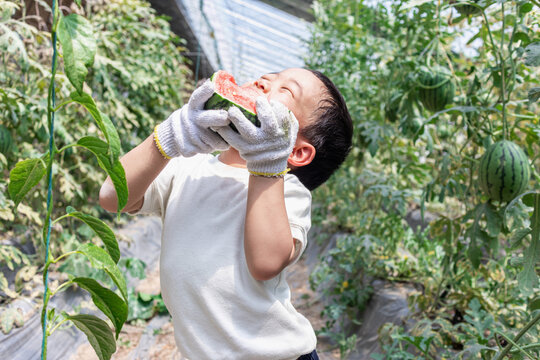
(156, 140)
(279, 174)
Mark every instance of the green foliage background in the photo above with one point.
(135, 79)
(467, 265)
(476, 283)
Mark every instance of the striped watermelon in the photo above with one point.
(228, 93)
(504, 171)
(6, 142)
(466, 9)
(435, 87)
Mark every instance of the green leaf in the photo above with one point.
(105, 124)
(101, 229)
(517, 238)
(532, 54)
(107, 301)
(113, 168)
(139, 309)
(527, 278)
(475, 255)
(534, 304)
(516, 261)
(494, 220)
(525, 8)
(534, 94)
(135, 267)
(414, 3)
(98, 333)
(10, 317)
(100, 259)
(78, 47)
(23, 177)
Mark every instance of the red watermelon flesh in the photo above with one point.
(227, 93)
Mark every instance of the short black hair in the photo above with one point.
(330, 133)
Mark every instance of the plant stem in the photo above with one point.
(67, 283)
(502, 66)
(63, 256)
(514, 344)
(499, 62)
(60, 218)
(50, 119)
(518, 336)
(61, 105)
(57, 325)
(65, 148)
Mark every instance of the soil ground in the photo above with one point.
(133, 341)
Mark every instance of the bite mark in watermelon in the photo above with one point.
(227, 93)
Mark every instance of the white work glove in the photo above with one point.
(266, 148)
(187, 131)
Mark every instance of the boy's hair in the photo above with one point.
(330, 133)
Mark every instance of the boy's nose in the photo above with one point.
(263, 85)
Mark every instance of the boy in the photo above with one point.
(229, 233)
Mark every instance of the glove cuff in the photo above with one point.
(165, 140)
(274, 168)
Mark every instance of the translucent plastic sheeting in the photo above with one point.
(24, 343)
(247, 38)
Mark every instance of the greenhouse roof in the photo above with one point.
(247, 38)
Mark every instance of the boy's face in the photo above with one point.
(298, 89)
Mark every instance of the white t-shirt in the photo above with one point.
(219, 311)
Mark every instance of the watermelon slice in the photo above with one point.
(228, 93)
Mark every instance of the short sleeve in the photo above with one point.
(157, 195)
(298, 205)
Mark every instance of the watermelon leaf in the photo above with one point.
(527, 278)
(78, 47)
(475, 255)
(24, 176)
(102, 120)
(106, 300)
(100, 259)
(493, 220)
(517, 238)
(101, 229)
(532, 54)
(98, 333)
(534, 304)
(534, 94)
(113, 168)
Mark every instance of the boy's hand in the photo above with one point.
(186, 132)
(266, 148)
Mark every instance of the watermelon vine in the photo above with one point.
(74, 34)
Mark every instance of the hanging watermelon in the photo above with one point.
(435, 87)
(504, 171)
(465, 8)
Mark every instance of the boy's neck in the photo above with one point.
(231, 157)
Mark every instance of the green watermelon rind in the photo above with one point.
(504, 171)
(218, 102)
(435, 88)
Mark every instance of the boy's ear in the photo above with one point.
(302, 153)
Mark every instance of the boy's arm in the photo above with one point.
(142, 165)
(185, 133)
(268, 242)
